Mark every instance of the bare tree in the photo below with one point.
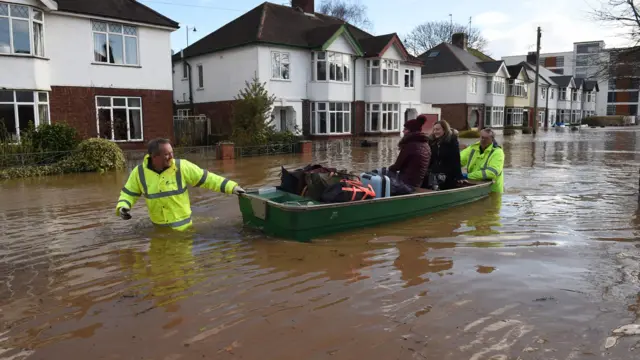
(353, 12)
(425, 36)
(623, 62)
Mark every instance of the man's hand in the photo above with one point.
(124, 213)
(238, 190)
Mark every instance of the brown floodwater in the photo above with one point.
(548, 270)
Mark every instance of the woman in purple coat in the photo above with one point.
(415, 154)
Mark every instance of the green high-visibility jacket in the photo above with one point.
(166, 193)
(484, 165)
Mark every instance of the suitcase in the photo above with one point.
(380, 183)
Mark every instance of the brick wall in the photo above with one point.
(219, 112)
(454, 114)
(77, 107)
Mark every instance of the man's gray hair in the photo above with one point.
(490, 132)
(154, 145)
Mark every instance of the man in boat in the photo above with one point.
(484, 160)
(163, 181)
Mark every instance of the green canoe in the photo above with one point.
(285, 215)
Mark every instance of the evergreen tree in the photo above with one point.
(252, 123)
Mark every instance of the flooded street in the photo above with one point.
(547, 271)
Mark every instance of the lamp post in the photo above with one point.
(192, 29)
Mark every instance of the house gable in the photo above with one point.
(392, 52)
(342, 41)
(502, 71)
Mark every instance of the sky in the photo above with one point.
(509, 26)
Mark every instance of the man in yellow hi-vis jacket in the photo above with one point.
(163, 181)
(484, 160)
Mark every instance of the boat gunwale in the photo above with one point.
(301, 208)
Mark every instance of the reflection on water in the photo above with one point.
(548, 267)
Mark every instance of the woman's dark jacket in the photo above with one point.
(413, 161)
(445, 158)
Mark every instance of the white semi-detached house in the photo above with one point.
(329, 78)
(103, 67)
(471, 92)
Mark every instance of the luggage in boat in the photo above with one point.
(347, 191)
(398, 187)
(295, 181)
(381, 184)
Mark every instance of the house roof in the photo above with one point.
(445, 58)
(270, 23)
(578, 82)
(562, 81)
(479, 54)
(544, 73)
(127, 10)
(491, 67)
(590, 85)
(514, 70)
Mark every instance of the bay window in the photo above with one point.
(115, 43)
(332, 66)
(382, 117)
(330, 118)
(119, 118)
(496, 86)
(383, 72)
(21, 30)
(494, 116)
(18, 109)
(515, 116)
(280, 66)
(517, 88)
(563, 94)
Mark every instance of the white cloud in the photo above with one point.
(568, 22)
(490, 18)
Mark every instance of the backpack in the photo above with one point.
(347, 191)
(312, 179)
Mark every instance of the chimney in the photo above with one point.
(459, 40)
(307, 6)
(532, 58)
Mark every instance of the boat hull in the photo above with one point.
(292, 217)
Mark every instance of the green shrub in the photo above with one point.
(469, 134)
(54, 137)
(613, 120)
(527, 130)
(508, 132)
(95, 155)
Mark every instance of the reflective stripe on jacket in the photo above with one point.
(166, 194)
(484, 166)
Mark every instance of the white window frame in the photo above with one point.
(200, 76)
(36, 103)
(409, 78)
(390, 68)
(495, 114)
(185, 71)
(496, 85)
(517, 116)
(127, 108)
(543, 93)
(109, 32)
(559, 61)
(343, 108)
(333, 60)
(517, 88)
(388, 114)
(553, 94)
(282, 66)
(563, 94)
(32, 22)
(473, 86)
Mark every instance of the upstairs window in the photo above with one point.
(517, 88)
(332, 66)
(563, 94)
(496, 86)
(409, 76)
(543, 93)
(574, 95)
(383, 72)
(280, 66)
(21, 30)
(474, 85)
(200, 77)
(115, 43)
(552, 94)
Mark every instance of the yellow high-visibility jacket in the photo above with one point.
(484, 165)
(166, 194)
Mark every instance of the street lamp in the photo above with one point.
(192, 29)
